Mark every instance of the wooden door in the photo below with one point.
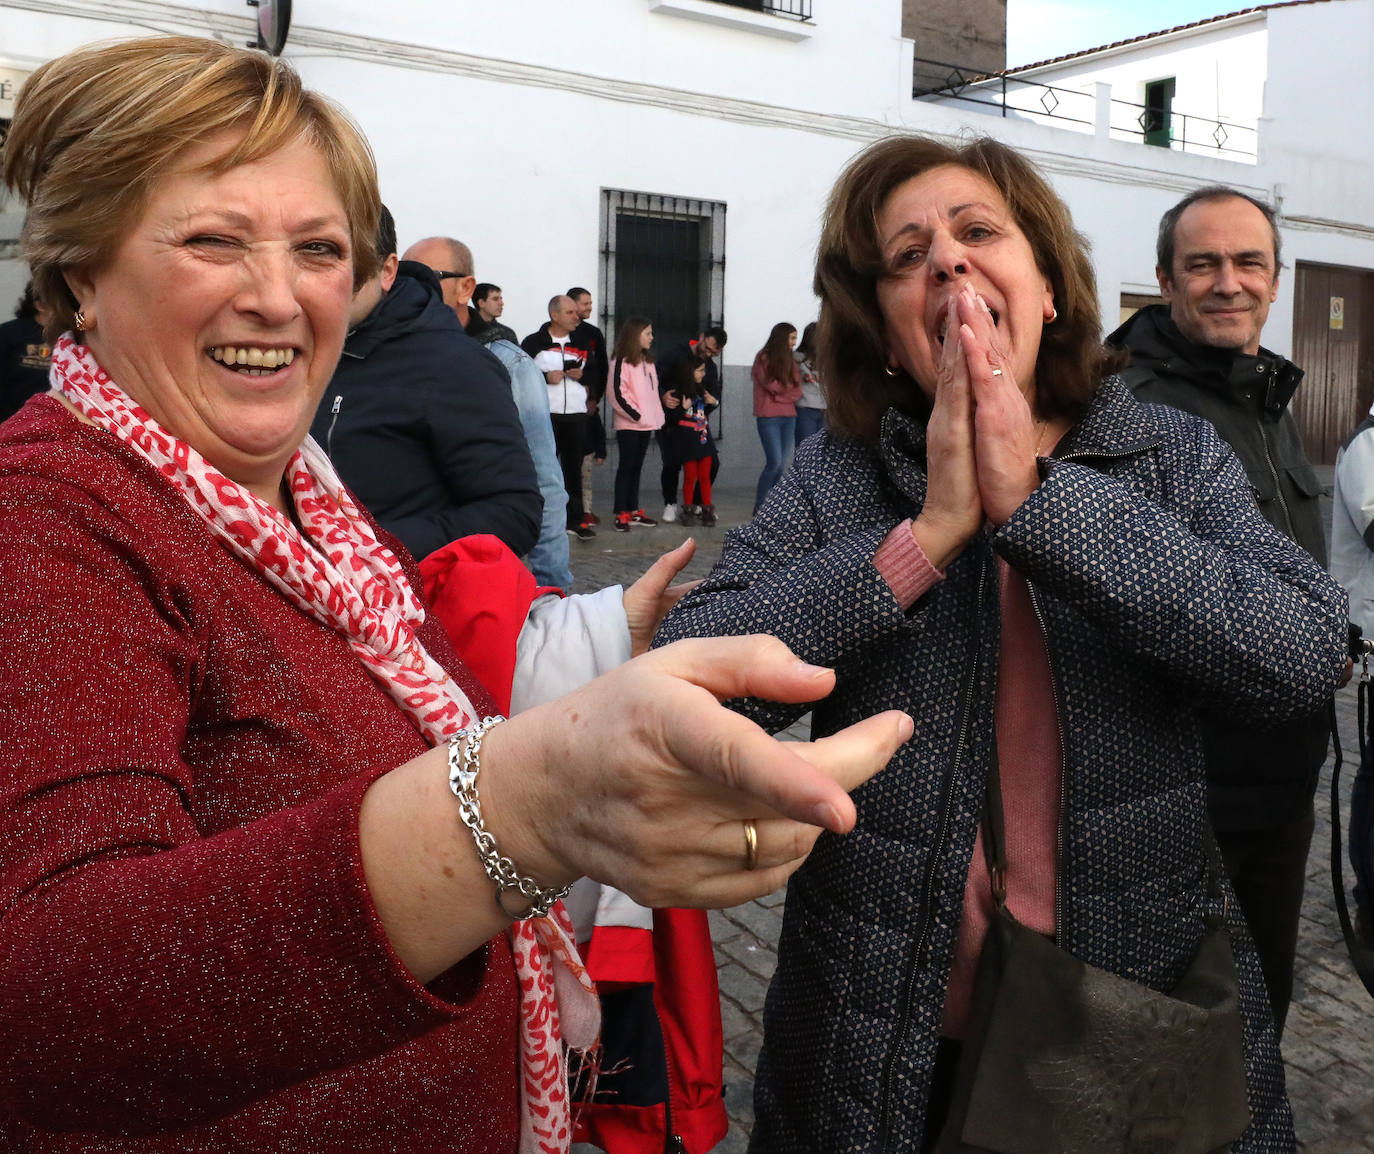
(1333, 343)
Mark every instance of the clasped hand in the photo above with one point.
(981, 439)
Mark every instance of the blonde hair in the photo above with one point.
(94, 130)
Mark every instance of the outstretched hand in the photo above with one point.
(643, 780)
(648, 600)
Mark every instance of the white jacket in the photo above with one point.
(1352, 524)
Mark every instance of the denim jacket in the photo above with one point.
(549, 560)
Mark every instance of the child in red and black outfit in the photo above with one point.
(692, 441)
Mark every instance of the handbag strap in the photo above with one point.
(995, 837)
(1361, 956)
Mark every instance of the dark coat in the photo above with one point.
(24, 359)
(420, 423)
(1158, 586)
(595, 376)
(1259, 776)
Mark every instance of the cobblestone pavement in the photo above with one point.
(1328, 1044)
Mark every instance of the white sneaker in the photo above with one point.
(670, 513)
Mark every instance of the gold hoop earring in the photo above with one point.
(82, 324)
(1054, 315)
(891, 372)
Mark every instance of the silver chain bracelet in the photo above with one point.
(464, 764)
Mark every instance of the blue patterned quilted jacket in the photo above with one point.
(1160, 587)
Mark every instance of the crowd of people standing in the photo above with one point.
(253, 681)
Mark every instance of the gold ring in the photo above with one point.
(751, 844)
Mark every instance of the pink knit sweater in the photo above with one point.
(1030, 762)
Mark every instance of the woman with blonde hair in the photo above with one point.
(276, 875)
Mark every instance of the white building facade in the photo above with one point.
(530, 129)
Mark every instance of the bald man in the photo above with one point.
(451, 261)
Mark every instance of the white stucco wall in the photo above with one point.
(501, 124)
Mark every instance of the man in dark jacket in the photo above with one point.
(1217, 265)
(419, 419)
(24, 354)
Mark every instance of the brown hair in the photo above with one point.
(627, 341)
(95, 129)
(777, 353)
(852, 353)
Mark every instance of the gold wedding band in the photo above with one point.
(996, 372)
(751, 844)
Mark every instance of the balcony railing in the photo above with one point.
(1080, 110)
(796, 9)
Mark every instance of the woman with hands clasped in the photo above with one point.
(243, 907)
(1050, 577)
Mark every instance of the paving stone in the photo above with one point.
(1305, 1055)
(735, 1142)
(763, 923)
(722, 928)
(774, 900)
(733, 1020)
(759, 960)
(745, 1049)
(739, 1102)
(740, 985)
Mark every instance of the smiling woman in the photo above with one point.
(240, 823)
(223, 312)
(994, 536)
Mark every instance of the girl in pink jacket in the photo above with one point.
(638, 412)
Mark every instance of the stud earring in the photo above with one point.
(1054, 315)
(82, 324)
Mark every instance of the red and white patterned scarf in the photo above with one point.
(351, 582)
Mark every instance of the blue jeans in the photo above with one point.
(777, 434)
(809, 421)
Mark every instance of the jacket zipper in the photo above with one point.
(1278, 486)
(333, 420)
(1059, 708)
(1063, 770)
(672, 1143)
(928, 886)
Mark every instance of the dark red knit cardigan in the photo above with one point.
(189, 957)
